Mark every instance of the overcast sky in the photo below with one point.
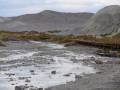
(19, 7)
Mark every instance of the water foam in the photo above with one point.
(79, 56)
(18, 56)
(50, 45)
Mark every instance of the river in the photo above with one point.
(42, 64)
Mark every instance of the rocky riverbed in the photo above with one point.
(55, 67)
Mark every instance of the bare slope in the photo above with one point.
(105, 21)
(46, 21)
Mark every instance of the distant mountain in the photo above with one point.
(3, 19)
(105, 21)
(46, 21)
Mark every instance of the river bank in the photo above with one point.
(110, 42)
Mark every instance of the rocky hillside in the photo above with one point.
(105, 21)
(47, 21)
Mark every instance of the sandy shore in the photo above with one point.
(108, 78)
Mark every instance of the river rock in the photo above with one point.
(77, 77)
(92, 58)
(41, 89)
(48, 89)
(10, 74)
(53, 72)
(22, 78)
(27, 80)
(67, 75)
(11, 79)
(21, 87)
(31, 71)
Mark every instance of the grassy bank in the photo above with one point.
(46, 36)
(32, 35)
(109, 44)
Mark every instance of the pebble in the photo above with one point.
(27, 80)
(53, 72)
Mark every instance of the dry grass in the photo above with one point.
(6, 35)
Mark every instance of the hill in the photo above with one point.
(47, 21)
(104, 22)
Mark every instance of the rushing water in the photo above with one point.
(35, 61)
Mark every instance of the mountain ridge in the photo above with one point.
(105, 22)
(46, 21)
